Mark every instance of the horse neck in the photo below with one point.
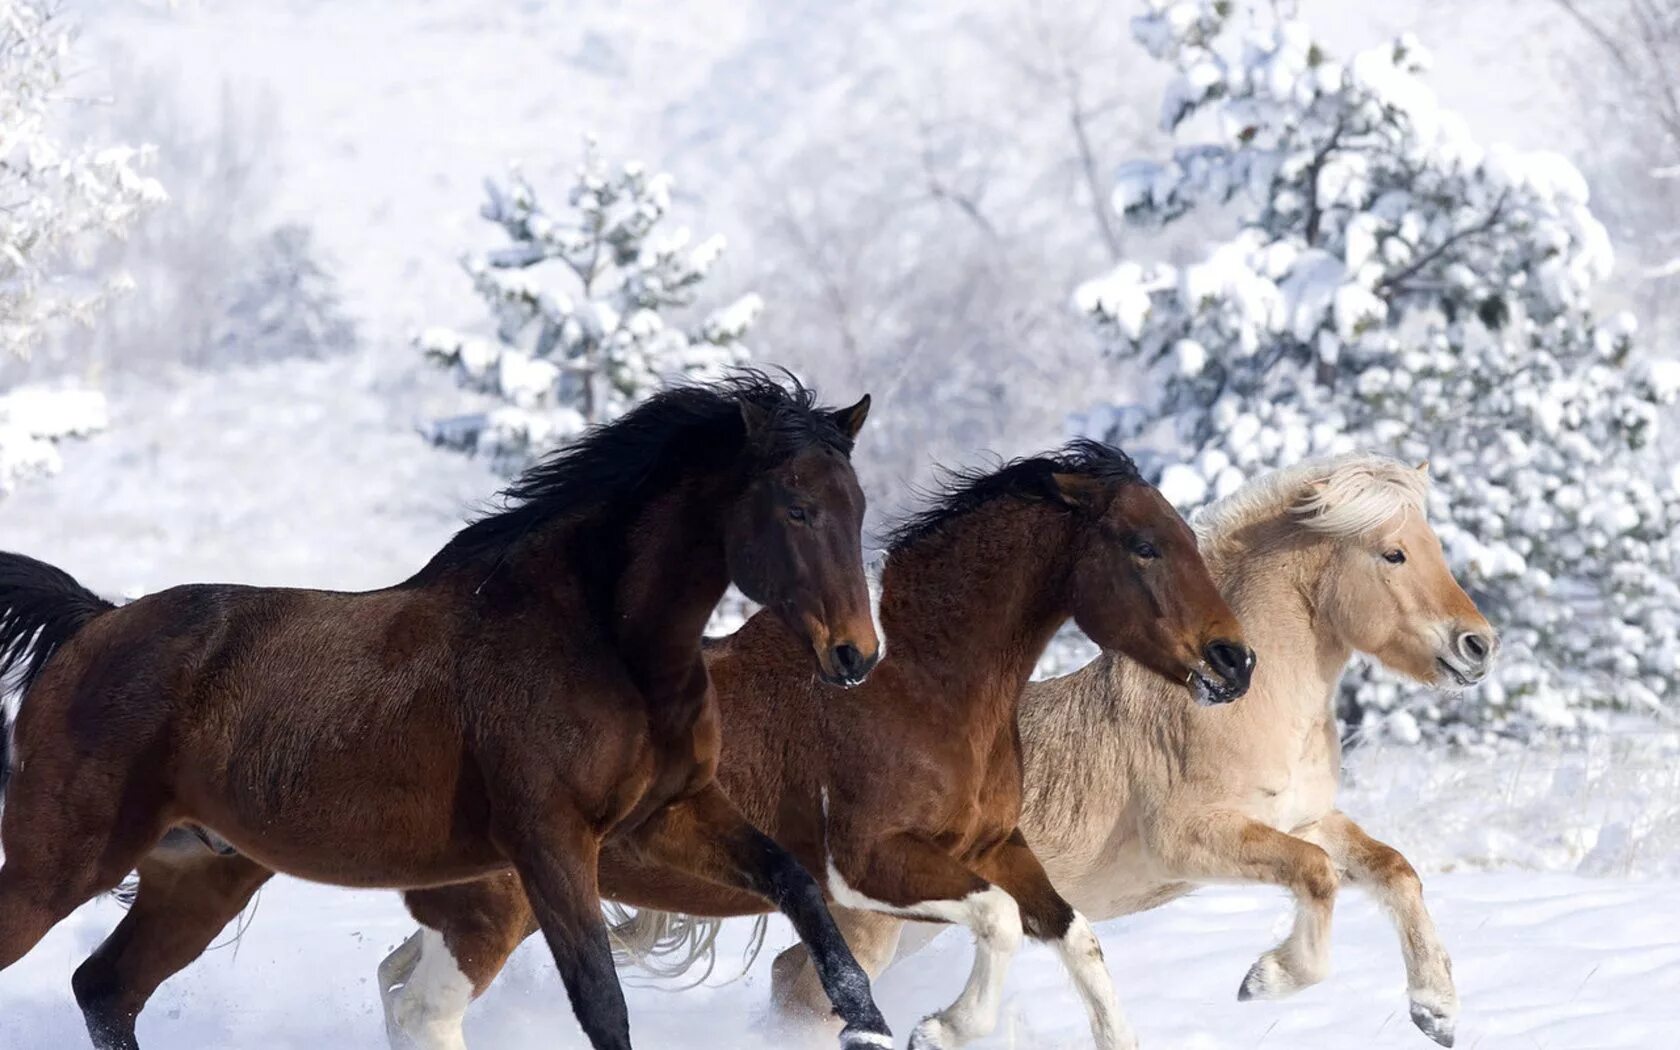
(973, 606)
(1271, 583)
(653, 574)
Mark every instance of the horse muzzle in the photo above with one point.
(1223, 674)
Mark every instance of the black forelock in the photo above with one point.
(611, 464)
(962, 491)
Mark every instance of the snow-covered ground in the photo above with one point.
(1543, 962)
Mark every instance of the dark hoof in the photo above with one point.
(1435, 1025)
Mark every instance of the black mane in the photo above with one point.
(962, 491)
(609, 466)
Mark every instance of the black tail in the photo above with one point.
(40, 609)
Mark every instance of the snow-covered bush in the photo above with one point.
(581, 300)
(219, 281)
(284, 304)
(1391, 284)
(33, 420)
(60, 201)
(60, 198)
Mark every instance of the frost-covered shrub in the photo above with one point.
(61, 200)
(285, 303)
(582, 301)
(33, 419)
(1392, 284)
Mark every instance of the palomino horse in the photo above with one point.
(1135, 798)
(536, 690)
(906, 793)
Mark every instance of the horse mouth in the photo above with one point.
(1210, 690)
(1453, 675)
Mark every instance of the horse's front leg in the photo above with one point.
(794, 986)
(1388, 875)
(1047, 917)
(1216, 845)
(907, 876)
(705, 835)
(556, 853)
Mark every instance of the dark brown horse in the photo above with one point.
(535, 691)
(905, 794)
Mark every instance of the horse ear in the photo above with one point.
(756, 419)
(1079, 491)
(1423, 468)
(850, 420)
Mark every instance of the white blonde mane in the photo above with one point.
(1341, 496)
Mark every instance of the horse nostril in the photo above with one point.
(1232, 661)
(850, 662)
(1475, 647)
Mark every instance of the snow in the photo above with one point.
(1541, 960)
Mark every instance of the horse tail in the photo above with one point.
(670, 946)
(41, 608)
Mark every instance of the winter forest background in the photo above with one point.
(288, 288)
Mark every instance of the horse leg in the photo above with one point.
(911, 878)
(705, 835)
(557, 860)
(1387, 874)
(467, 933)
(185, 899)
(795, 987)
(1047, 917)
(1218, 845)
(71, 832)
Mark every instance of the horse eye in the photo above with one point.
(1145, 549)
(1395, 556)
(796, 513)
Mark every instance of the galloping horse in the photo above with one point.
(907, 794)
(535, 691)
(1135, 798)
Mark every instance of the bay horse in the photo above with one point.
(1135, 798)
(535, 691)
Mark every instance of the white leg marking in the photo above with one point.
(427, 1011)
(394, 971)
(1081, 953)
(995, 919)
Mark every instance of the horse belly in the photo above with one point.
(356, 806)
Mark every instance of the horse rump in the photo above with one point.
(41, 608)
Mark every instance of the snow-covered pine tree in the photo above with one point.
(582, 301)
(1388, 283)
(61, 199)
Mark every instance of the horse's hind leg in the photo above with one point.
(469, 930)
(705, 835)
(1387, 874)
(73, 829)
(187, 895)
(1049, 918)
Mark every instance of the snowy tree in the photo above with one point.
(286, 304)
(58, 201)
(582, 300)
(1391, 284)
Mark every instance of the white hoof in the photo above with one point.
(1268, 978)
(1436, 1015)
(934, 1034)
